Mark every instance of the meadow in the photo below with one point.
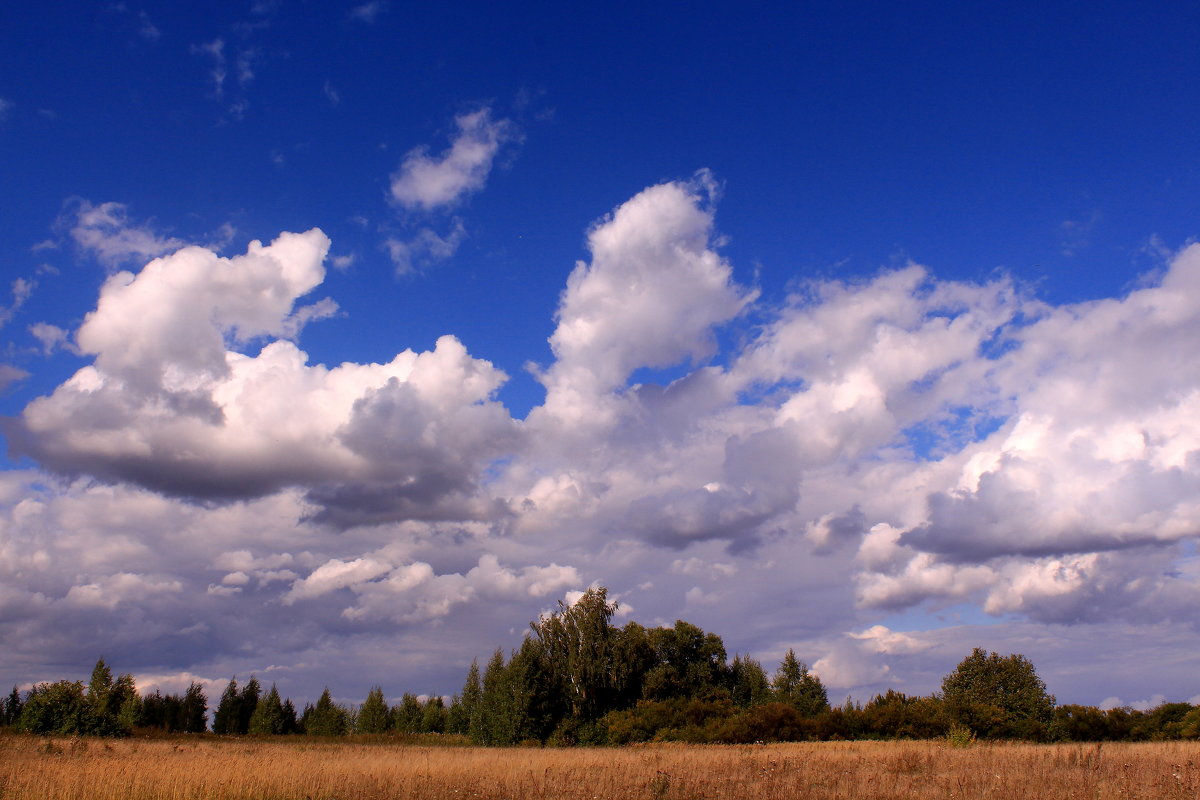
(187, 768)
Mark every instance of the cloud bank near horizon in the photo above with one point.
(895, 442)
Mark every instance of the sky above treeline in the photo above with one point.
(342, 340)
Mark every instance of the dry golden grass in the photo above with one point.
(209, 768)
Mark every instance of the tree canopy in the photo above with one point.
(996, 695)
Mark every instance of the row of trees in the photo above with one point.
(106, 706)
(578, 679)
(247, 710)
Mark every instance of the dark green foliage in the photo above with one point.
(688, 662)
(675, 719)
(107, 707)
(326, 718)
(1189, 726)
(267, 719)
(770, 722)
(10, 712)
(1076, 723)
(290, 723)
(457, 719)
(225, 719)
(56, 708)
(499, 718)
(433, 716)
(247, 703)
(579, 680)
(578, 650)
(465, 713)
(895, 715)
(194, 712)
(106, 698)
(796, 686)
(1162, 723)
(998, 696)
(407, 715)
(748, 684)
(374, 716)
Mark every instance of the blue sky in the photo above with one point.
(886, 312)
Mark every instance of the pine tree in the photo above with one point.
(433, 716)
(374, 716)
(799, 688)
(194, 710)
(290, 723)
(750, 686)
(469, 702)
(225, 720)
(497, 725)
(457, 721)
(267, 719)
(12, 707)
(406, 716)
(247, 703)
(326, 718)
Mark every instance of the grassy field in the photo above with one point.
(210, 768)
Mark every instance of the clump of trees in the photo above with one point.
(106, 706)
(579, 679)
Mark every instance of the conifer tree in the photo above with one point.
(225, 720)
(194, 711)
(247, 703)
(406, 717)
(374, 716)
(433, 716)
(496, 722)
(267, 719)
(130, 714)
(12, 707)
(468, 703)
(799, 688)
(290, 723)
(457, 721)
(750, 686)
(326, 718)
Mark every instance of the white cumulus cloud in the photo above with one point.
(428, 182)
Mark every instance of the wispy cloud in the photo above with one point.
(215, 50)
(331, 94)
(147, 29)
(368, 12)
(106, 232)
(424, 248)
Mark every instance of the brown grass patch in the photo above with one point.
(208, 768)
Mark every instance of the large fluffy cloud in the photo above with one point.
(1101, 453)
(869, 447)
(170, 404)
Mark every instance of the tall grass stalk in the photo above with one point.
(208, 768)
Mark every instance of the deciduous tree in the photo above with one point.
(998, 696)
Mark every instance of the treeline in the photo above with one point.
(578, 679)
(106, 706)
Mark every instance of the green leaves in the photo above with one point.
(998, 696)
